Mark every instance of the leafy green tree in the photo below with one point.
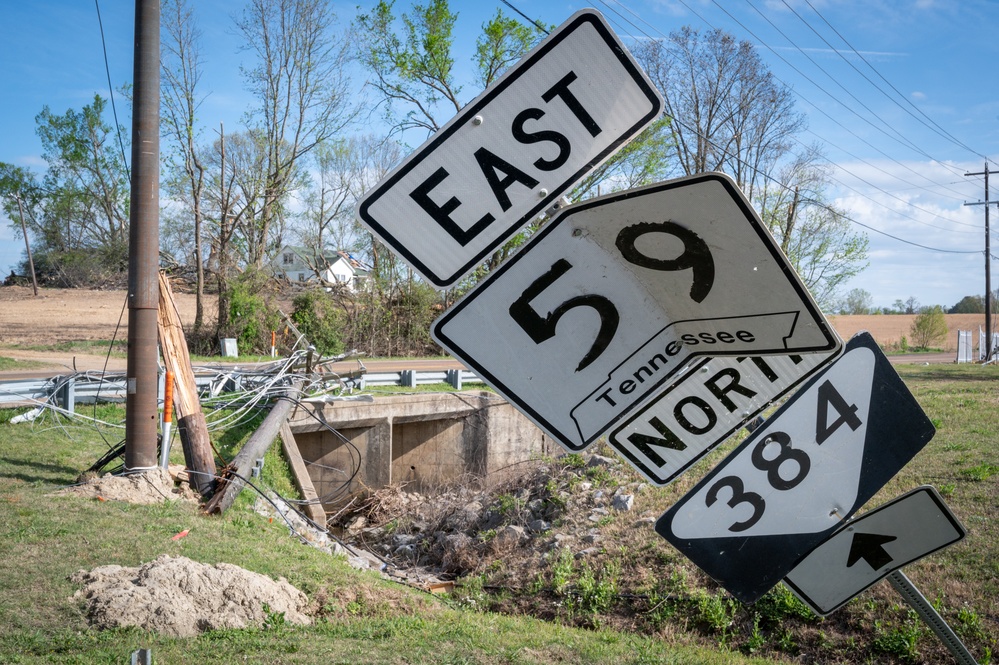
(969, 305)
(929, 326)
(857, 301)
(77, 214)
(20, 194)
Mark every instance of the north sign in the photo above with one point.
(508, 155)
(872, 546)
(811, 466)
(690, 418)
(616, 295)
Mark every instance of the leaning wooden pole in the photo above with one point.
(233, 479)
(191, 424)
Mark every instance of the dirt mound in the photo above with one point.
(181, 598)
(154, 486)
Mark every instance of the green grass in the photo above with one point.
(364, 619)
(12, 364)
(119, 348)
(47, 537)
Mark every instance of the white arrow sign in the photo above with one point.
(870, 547)
(562, 110)
(809, 467)
(689, 419)
(612, 299)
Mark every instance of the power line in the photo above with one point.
(114, 110)
(782, 185)
(942, 132)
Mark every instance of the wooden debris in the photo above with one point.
(191, 424)
(300, 473)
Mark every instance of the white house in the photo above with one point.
(300, 264)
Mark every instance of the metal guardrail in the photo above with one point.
(71, 390)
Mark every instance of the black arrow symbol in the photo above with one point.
(868, 546)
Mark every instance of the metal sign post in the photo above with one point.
(612, 299)
(918, 602)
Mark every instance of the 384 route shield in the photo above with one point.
(811, 466)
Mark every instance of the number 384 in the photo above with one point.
(785, 466)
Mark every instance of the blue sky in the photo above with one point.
(898, 150)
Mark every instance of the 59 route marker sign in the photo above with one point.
(617, 294)
(563, 109)
(690, 418)
(872, 546)
(813, 464)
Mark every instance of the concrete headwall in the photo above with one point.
(424, 440)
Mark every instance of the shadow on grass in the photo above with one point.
(19, 469)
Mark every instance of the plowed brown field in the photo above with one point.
(61, 315)
(889, 329)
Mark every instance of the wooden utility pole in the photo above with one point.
(988, 263)
(233, 479)
(191, 423)
(141, 409)
(27, 247)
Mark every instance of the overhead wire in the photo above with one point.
(942, 132)
(114, 109)
(803, 98)
(771, 178)
(898, 136)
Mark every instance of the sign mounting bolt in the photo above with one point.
(542, 193)
(477, 120)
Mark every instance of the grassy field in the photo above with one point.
(361, 618)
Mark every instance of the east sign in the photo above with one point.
(616, 295)
(563, 109)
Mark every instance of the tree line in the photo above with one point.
(291, 172)
(860, 301)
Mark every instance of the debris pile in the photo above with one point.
(182, 598)
(453, 532)
(150, 487)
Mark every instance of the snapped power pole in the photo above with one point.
(988, 262)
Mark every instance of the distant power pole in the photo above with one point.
(988, 262)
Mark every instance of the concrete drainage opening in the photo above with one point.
(423, 440)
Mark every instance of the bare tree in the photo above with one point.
(729, 113)
(303, 93)
(181, 74)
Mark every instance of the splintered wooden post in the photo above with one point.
(191, 424)
(234, 479)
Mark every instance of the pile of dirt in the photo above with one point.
(150, 487)
(182, 598)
